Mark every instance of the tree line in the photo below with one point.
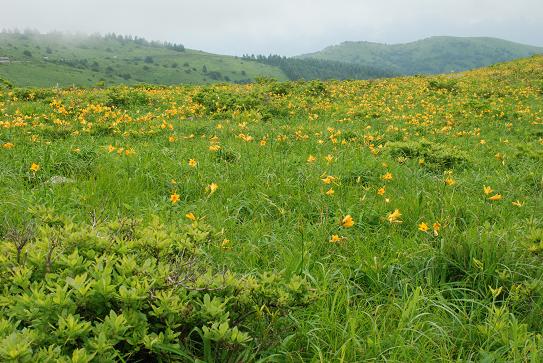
(142, 41)
(310, 69)
(124, 39)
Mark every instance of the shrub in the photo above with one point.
(124, 96)
(436, 156)
(449, 86)
(316, 89)
(34, 94)
(128, 290)
(215, 99)
(5, 84)
(214, 75)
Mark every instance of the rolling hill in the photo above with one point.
(54, 58)
(45, 60)
(427, 56)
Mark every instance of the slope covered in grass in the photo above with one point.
(49, 59)
(386, 220)
(427, 56)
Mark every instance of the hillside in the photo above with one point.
(45, 60)
(428, 56)
(50, 59)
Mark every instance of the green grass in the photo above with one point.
(85, 60)
(470, 291)
(427, 56)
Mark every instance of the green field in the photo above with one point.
(386, 220)
(64, 60)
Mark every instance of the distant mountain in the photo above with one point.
(431, 55)
(32, 59)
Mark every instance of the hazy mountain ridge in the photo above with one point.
(440, 54)
(44, 60)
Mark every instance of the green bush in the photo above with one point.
(436, 156)
(125, 97)
(316, 89)
(442, 85)
(34, 94)
(4, 83)
(128, 290)
(217, 100)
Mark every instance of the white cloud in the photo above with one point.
(281, 26)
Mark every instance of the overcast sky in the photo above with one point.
(286, 27)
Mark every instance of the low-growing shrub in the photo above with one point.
(34, 94)
(436, 156)
(4, 83)
(129, 290)
(125, 96)
(217, 100)
(316, 89)
(442, 85)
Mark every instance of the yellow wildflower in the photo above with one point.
(225, 244)
(387, 176)
(190, 216)
(436, 227)
(517, 203)
(212, 188)
(495, 197)
(8, 145)
(175, 198)
(394, 217)
(34, 167)
(328, 180)
(336, 239)
(423, 227)
(487, 190)
(193, 163)
(381, 191)
(330, 192)
(311, 159)
(347, 221)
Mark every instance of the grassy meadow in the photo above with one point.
(386, 220)
(48, 60)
